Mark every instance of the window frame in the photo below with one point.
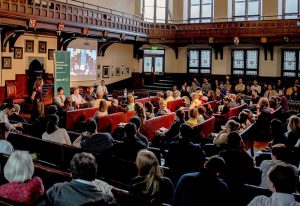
(246, 16)
(245, 62)
(155, 11)
(153, 61)
(201, 19)
(297, 71)
(199, 67)
(287, 14)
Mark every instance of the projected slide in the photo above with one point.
(83, 64)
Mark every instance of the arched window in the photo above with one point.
(155, 10)
(200, 11)
(290, 9)
(246, 10)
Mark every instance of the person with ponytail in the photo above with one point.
(54, 133)
(150, 186)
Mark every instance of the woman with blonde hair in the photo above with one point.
(293, 133)
(102, 110)
(37, 99)
(130, 100)
(193, 115)
(195, 101)
(22, 187)
(169, 96)
(150, 184)
(177, 95)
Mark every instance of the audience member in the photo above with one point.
(77, 98)
(95, 142)
(102, 110)
(4, 114)
(130, 101)
(137, 122)
(54, 133)
(293, 131)
(206, 86)
(280, 156)
(203, 187)
(240, 87)
(277, 132)
(96, 102)
(15, 115)
(149, 109)
(22, 187)
(256, 86)
(193, 115)
(102, 88)
(82, 188)
(140, 112)
(270, 92)
(222, 137)
(115, 107)
(163, 110)
(5, 146)
(150, 184)
(195, 101)
(177, 95)
(282, 182)
(183, 155)
(169, 96)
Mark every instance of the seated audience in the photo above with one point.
(206, 86)
(5, 146)
(239, 164)
(95, 142)
(96, 102)
(165, 136)
(22, 187)
(240, 87)
(222, 137)
(115, 107)
(255, 98)
(169, 96)
(68, 105)
(149, 109)
(228, 85)
(131, 145)
(90, 95)
(140, 112)
(150, 185)
(193, 115)
(203, 112)
(102, 110)
(203, 187)
(183, 155)
(185, 90)
(248, 91)
(5, 113)
(211, 96)
(160, 96)
(195, 101)
(283, 101)
(256, 86)
(270, 92)
(15, 115)
(293, 131)
(59, 98)
(280, 156)
(163, 110)
(282, 182)
(295, 95)
(77, 98)
(82, 187)
(177, 95)
(194, 86)
(226, 105)
(277, 132)
(137, 122)
(54, 133)
(130, 101)
(243, 120)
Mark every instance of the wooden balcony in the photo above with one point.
(179, 33)
(49, 14)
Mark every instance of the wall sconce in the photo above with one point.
(32, 23)
(85, 31)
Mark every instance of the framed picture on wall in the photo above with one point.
(29, 46)
(112, 72)
(98, 73)
(105, 71)
(6, 62)
(127, 71)
(118, 71)
(18, 52)
(51, 54)
(42, 47)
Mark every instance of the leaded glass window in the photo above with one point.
(200, 11)
(290, 9)
(246, 10)
(290, 63)
(245, 61)
(199, 61)
(155, 10)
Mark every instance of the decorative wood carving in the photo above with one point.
(10, 37)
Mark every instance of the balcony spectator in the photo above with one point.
(240, 87)
(270, 92)
(256, 86)
(206, 86)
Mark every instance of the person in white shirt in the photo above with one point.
(8, 111)
(282, 181)
(60, 98)
(54, 133)
(102, 88)
(256, 86)
(76, 97)
(5, 146)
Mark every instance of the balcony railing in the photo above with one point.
(74, 15)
